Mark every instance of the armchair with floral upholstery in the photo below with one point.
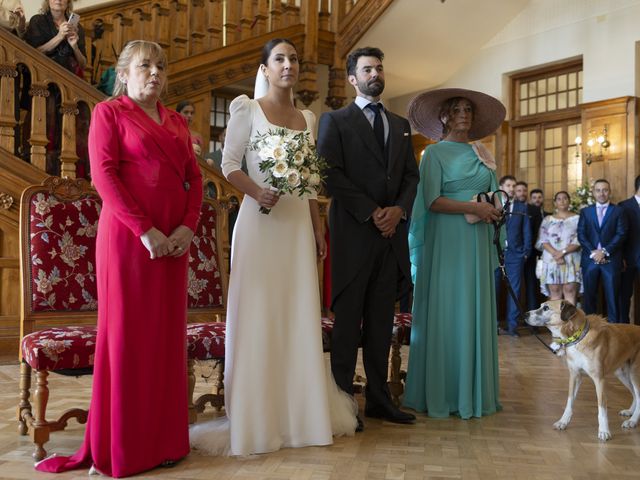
(58, 227)
(207, 294)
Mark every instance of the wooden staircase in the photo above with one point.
(210, 44)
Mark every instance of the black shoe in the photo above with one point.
(360, 426)
(389, 413)
(511, 333)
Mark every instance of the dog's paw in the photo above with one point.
(560, 425)
(604, 435)
(625, 413)
(629, 424)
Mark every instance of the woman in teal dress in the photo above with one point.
(453, 360)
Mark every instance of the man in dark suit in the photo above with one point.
(517, 248)
(536, 215)
(602, 230)
(631, 252)
(372, 179)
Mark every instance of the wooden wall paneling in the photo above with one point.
(619, 159)
(142, 28)
(292, 13)
(9, 284)
(323, 15)
(197, 33)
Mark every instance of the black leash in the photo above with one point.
(497, 225)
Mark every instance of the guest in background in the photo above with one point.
(187, 109)
(518, 245)
(521, 191)
(52, 34)
(631, 252)
(214, 159)
(536, 214)
(453, 362)
(12, 17)
(602, 231)
(144, 169)
(560, 276)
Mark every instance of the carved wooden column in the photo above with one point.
(180, 25)
(142, 24)
(276, 15)
(214, 24)
(323, 22)
(261, 17)
(336, 95)
(39, 140)
(246, 20)
(197, 30)
(68, 156)
(8, 121)
(307, 83)
(231, 24)
(160, 19)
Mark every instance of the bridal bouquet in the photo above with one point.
(290, 160)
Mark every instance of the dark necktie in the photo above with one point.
(378, 126)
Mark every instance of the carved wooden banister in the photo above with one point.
(18, 57)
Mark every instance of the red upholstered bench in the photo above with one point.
(61, 350)
(401, 336)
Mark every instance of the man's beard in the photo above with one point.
(373, 88)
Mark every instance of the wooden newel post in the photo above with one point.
(68, 156)
(7, 107)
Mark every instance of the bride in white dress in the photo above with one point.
(278, 390)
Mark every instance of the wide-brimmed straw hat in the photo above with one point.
(424, 111)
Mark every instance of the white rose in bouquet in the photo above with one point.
(298, 158)
(304, 173)
(280, 154)
(293, 178)
(314, 179)
(280, 169)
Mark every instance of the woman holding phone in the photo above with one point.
(57, 33)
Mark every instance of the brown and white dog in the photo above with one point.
(597, 348)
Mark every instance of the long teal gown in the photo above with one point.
(453, 360)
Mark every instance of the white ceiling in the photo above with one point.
(427, 41)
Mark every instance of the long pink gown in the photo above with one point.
(147, 176)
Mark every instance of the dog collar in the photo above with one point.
(575, 338)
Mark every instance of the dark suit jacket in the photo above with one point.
(631, 249)
(536, 215)
(611, 235)
(359, 180)
(518, 226)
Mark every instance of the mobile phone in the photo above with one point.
(74, 19)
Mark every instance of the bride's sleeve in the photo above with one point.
(238, 132)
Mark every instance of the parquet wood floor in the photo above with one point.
(517, 443)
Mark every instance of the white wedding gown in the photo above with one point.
(279, 391)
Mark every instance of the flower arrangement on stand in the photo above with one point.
(291, 161)
(582, 197)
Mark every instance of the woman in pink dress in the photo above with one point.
(144, 169)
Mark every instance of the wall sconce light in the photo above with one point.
(596, 146)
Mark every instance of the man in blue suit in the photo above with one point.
(631, 252)
(602, 230)
(517, 248)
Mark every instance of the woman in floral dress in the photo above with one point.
(560, 275)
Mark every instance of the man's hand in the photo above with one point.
(598, 256)
(387, 219)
